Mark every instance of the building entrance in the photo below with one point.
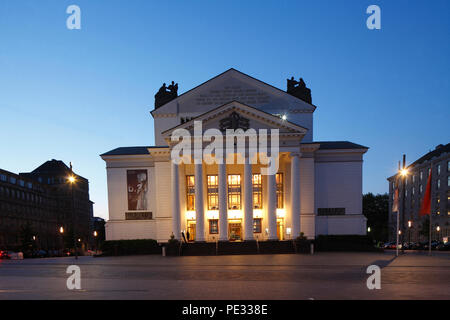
(235, 231)
(191, 231)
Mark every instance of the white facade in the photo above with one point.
(318, 189)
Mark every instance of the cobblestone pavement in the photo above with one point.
(320, 276)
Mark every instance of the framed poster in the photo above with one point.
(137, 182)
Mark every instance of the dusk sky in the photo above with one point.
(75, 94)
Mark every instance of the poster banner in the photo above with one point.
(137, 189)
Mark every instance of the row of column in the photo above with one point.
(248, 201)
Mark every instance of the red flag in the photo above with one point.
(395, 203)
(425, 208)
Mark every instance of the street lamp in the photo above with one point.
(71, 178)
(409, 231)
(403, 173)
(96, 240)
(61, 232)
(368, 229)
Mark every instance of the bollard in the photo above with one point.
(311, 247)
(163, 251)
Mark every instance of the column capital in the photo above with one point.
(295, 154)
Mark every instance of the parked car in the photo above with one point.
(443, 247)
(4, 255)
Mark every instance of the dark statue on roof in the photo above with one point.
(166, 94)
(298, 89)
(234, 121)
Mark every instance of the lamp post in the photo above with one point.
(409, 232)
(61, 232)
(96, 240)
(403, 172)
(72, 180)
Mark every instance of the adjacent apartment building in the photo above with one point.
(411, 224)
(41, 201)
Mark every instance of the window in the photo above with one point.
(213, 226)
(29, 185)
(257, 225)
(413, 190)
(448, 181)
(439, 169)
(448, 166)
(12, 180)
(190, 193)
(257, 191)
(280, 194)
(414, 178)
(438, 183)
(3, 177)
(421, 176)
(21, 183)
(213, 193)
(234, 191)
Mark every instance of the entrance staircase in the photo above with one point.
(236, 248)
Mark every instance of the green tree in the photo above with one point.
(376, 210)
(26, 238)
(425, 227)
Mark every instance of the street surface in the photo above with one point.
(285, 277)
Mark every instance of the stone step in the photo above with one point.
(236, 248)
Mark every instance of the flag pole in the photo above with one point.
(398, 215)
(429, 238)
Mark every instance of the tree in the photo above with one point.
(425, 227)
(376, 210)
(26, 238)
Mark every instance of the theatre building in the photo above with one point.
(317, 188)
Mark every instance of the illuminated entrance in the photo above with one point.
(235, 230)
(191, 231)
(280, 224)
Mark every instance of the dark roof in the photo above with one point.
(324, 145)
(328, 145)
(440, 149)
(52, 166)
(125, 151)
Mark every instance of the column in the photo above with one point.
(272, 206)
(248, 200)
(223, 208)
(175, 188)
(199, 205)
(295, 194)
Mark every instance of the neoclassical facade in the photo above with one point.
(316, 188)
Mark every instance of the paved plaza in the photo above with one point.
(285, 277)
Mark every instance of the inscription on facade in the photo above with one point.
(138, 215)
(230, 93)
(331, 211)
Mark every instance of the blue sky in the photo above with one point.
(74, 94)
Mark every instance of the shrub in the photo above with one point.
(130, 247)
(344, 243)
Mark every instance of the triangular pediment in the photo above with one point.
(236, 115)
(233, 85)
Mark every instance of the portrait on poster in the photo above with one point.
(137, 189)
